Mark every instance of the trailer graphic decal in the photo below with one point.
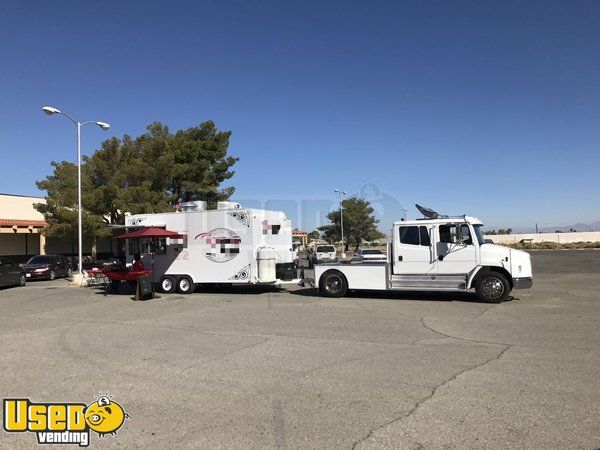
(241, 216)
(221, 244)
(243, 274)
(136, 221)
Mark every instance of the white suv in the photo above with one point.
(324, 253)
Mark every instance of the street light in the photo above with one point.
(49, 110)
(342, 193)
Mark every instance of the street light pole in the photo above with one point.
(49, 110)
(79, 221)
(342, 193)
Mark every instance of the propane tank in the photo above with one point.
(266, 264)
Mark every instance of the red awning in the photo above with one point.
(150, 233)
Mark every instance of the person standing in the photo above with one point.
(138, 266)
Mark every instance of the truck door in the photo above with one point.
(455, 249)
(412, 251)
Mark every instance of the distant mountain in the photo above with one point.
(595, 226)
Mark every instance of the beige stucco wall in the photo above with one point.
(13, 243)
(561, 238)
(19, 207)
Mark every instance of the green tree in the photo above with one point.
(314, 234)
(359, 223)
(60, 209)
(200, 163)
(147, 174)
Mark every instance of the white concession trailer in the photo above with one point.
(229, 244)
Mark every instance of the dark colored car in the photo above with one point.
(11, 274)
(47, 267)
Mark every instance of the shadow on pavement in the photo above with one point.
(468, 297)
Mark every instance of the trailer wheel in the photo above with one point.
(185, 285)
(492, 287)
(168, 284)
(333, 284)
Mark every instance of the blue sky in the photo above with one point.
(488, 108)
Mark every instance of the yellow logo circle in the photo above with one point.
(105, 416)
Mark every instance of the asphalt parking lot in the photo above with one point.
(265, 368)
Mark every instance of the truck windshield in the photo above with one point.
(479, 234)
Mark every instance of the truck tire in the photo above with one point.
(492, 287)
(168, 284)
(185, 285)
(333, 284)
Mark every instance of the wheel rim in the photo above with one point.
(333, 284)
(184, 285)
(22, 280)
(492, 287)
(69, 273)
(167, 285)
(52, 275)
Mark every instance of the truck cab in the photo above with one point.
(440, 254)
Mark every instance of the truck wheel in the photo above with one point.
(185, 285)
(168, 284)
(492, 287)
(333, 284)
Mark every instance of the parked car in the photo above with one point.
(11, 274)
(47, 267)
(324, 253)
(369, 255)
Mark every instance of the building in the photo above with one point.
(22, 227)
(299, 237)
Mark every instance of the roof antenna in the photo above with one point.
(429, 213)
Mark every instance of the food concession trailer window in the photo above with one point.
(158, 246)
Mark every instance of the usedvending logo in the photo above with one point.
(64, 423)
(222, 245)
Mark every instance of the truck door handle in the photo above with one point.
(399, 258)
(441, 257)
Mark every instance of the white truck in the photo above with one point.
(436, 253)
(227, 245)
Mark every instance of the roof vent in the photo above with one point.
(198, 205)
